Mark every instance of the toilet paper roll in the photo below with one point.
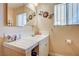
(68, 41)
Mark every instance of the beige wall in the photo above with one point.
(59, 35)
(44, 23)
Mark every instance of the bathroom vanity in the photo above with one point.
(24, 47)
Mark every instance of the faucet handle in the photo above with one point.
(15, 37)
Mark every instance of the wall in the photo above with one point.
(44, 23)
(58, 43)
(59, 34)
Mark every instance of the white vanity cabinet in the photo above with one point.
(44, 47)
(28, 53)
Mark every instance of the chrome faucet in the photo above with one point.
(19, 36)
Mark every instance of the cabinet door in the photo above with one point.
(13, 52)
(1, 46)
(28, 53)
(1, 50)
(43, 47)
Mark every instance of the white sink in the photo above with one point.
(26, 42)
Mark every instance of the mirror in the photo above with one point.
(18, 14)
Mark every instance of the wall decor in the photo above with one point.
(30, 17)
(45, 14)
(50, 16)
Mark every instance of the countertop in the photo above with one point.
(26, 43)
